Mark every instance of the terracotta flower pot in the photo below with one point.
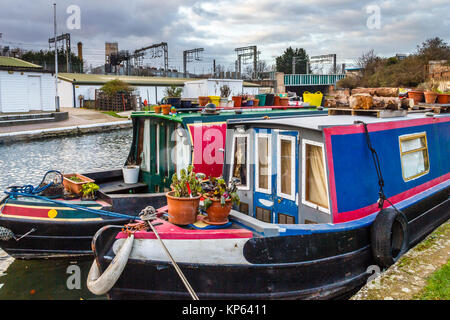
(255, 102)
(218, 214)
(74, 186)
(284, 102)
(430, 96)
(203, 101)
(157, 109)
(182, 211)
(237, 101)
(166, 108)
(276, 100)
(443, 98)
(417, 96)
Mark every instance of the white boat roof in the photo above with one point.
(318, 122)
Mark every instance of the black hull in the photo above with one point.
(328, 265)
(52, 239)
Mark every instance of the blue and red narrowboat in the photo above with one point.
(160, 145)
(322, 199)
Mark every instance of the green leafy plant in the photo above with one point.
(75, 179)
(187, 177)
(89, 189)
(217, 189)
(173, 92)
(225, 91)
(113, 87)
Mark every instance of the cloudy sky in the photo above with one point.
(346, 28)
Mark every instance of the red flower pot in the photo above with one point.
(237, 101)
(218, 214)
(417, 96)
(443, 98)
(430, 96)
(182, 211)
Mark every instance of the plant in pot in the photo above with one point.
(184, 199)
(130, 173)
(173, 96)
(219, 198)
(430, 91)
(157, 108)
(89, 190)
(225, 92)
(73, 182)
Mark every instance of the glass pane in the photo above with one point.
(263, 162)
(286, 166)
(411, 144)
(414, 163)
(315, 184)
(240, 160)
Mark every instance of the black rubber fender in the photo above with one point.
(389, 237)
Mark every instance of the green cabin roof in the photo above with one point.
(100, 79)
(14, 63)
(192, 117)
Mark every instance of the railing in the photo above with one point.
(311, 79)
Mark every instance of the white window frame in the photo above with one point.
(304, 201)
(157, 146)
(412, 136)
(294, 171)
(269, 166)
(233, 150)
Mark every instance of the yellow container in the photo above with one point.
(314, 99)
(215, 100)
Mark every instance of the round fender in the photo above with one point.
(389, 237)
(101, 284)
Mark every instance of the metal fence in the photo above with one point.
(311, 79)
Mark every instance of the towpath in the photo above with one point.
(405, 279)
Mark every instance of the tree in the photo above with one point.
(284, 62)
(434, 49)
(46, 59)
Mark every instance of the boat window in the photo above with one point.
(314, 184)
(263, 168)
(167, 151)
(286, 167)
(181, 152)
(240, 163)
(157, 147)
(414, 155)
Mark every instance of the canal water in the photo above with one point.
(26, 163)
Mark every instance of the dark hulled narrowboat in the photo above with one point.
(322, 199)
(160, 144)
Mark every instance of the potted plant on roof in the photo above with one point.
(225, 92)
(184, 199)
(430, 91)
(218, 199)
(73, 182)
(173, 95)
(89, 190)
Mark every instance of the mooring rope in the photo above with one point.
(147, 215)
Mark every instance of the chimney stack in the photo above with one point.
(80, 50)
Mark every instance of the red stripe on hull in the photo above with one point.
(170, 231)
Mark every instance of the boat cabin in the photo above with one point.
(320, 170)
(163, 144)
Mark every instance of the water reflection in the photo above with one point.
(46, 280)
(26, 163)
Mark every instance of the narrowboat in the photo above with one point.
(58, 227)
(322, 199)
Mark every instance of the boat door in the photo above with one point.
(276, 175)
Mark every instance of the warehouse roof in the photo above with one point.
(14, 63)
(84, 78)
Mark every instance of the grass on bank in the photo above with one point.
(438, 285)
(113, 114)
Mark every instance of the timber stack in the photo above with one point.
(368, 99)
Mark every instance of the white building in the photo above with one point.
(73, 85)
(25, 87)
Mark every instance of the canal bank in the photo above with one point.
(409, 277)
(79, 121)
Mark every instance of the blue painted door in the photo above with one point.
(276, 176)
